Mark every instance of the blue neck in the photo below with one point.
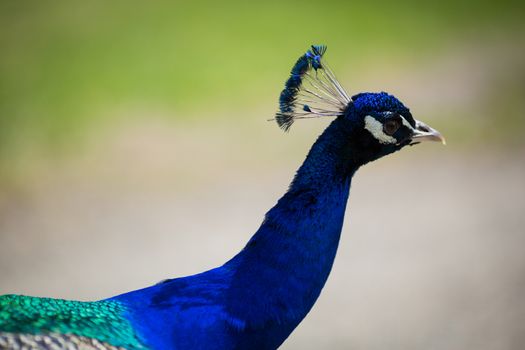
(286, 263)
(257, 298)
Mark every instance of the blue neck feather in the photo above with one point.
(289, 258)
(257, 298)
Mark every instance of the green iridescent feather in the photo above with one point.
(101, 320)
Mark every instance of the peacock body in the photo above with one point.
(256, 299)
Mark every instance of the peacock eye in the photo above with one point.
(391, 126)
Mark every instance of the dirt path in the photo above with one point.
(432, 254)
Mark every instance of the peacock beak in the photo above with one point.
(423, 132)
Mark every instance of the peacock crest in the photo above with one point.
(311, 91)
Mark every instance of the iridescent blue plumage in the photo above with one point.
(256, 299)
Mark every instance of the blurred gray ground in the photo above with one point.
(431, 257)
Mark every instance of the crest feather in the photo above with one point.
(311, 91)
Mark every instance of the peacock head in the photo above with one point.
(380, 123)
(384, 125)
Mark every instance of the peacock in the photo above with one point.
(257, 298)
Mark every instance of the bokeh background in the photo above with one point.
(135, 146)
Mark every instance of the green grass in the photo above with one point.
(68, 65)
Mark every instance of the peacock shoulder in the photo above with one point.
(46, 323)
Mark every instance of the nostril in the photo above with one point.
(423, 127)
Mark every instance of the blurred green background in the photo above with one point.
(136, 128)
(69, 67)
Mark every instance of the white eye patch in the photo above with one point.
(375, 127)
(406, 123)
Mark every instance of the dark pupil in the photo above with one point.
(391, 126)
